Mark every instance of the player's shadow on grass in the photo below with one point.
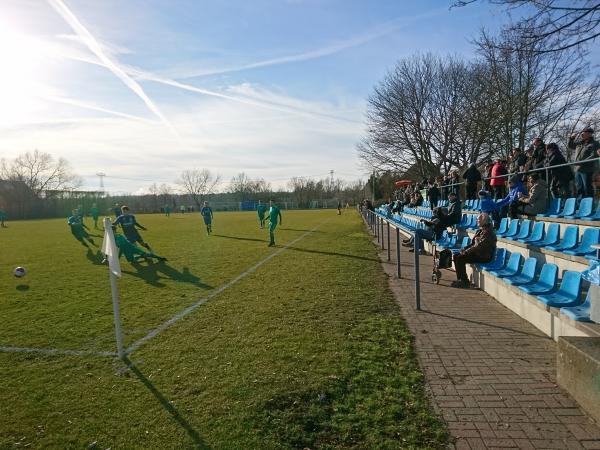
(238, 238)
(152, 272)
(168, 406)
(345, 255)
(300, 229)
(94, 258)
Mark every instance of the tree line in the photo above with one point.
(431, 114)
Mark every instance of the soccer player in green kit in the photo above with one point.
(274, 215)
(261, 209)
(2, 218)
(131, 251)
(95, 213)
(129, 225)
(78, 228)
(207, 215)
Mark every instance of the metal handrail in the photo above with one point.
(539, 169)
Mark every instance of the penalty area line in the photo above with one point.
(183, 313)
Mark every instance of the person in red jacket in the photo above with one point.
(497, 182)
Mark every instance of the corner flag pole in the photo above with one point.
(109, 248)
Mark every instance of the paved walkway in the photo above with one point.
(492, 375)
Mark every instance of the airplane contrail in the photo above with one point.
(85, 105)
(97, 50)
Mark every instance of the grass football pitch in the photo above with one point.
(233, 345)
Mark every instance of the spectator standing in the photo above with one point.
(498, 182)
(586, 148)
(536, 156)
(488, 176)
(517, 161)
(472, 177)
(433, 195)
(560, 177)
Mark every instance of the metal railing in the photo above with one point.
(525, 172)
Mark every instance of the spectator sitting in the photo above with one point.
(536, 202)
(481, 250)
(454, 211)
(435, 228)
(512, 199)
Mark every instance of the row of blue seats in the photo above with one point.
(547, 235)
(556, 209)
(570, 211)
(543, 286)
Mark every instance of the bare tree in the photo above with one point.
(534, 90)
(41, 172)
(562, 25)
(197, 184)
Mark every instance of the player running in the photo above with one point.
(95, 213)
(274, 215)
(261, 209)
(207, 215)
(129, 224)
(79, 229)
(131, 251)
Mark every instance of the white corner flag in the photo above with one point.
(109, 248)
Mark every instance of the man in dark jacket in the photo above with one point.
(433, 195)
(472, 176)
(517, 161)
(536, 154)
(560, 177)
(586, 148)
(481, 250)
(454, 211)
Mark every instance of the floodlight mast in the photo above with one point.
(101, 175)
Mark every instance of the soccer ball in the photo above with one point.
(19, 272)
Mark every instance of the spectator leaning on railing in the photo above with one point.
(560, 177)
(481, 250)
(535, 202)
(586, 148)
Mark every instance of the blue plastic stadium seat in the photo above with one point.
(567, 295)
(503, 227)
(523, 231)
(465, 241)
(552, 236)
(554, 208)
(585, 209)
(464, 222)
(497, 262)
(527, 274)
(451, 243)
(590, 237)
(537, 234)
(545, 284)
(473, 223)
(595, 216)
(569, 240)
(568, 209)
(478, 205)
(512, 267)
(579, 313)
(513, 229)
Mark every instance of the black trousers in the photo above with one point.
(471, 191)
(460, 265)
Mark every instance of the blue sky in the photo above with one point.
(142, 90)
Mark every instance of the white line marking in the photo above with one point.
(54, 351)
(180, 315)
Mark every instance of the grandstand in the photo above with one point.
(542, 264)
